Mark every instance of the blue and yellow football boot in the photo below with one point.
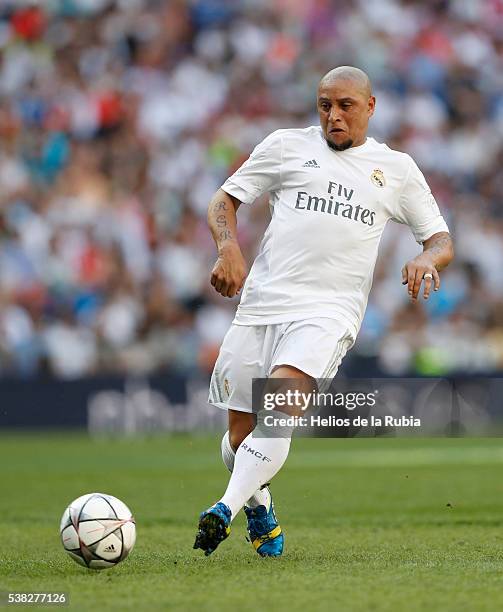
(265, 532)
(214, 527)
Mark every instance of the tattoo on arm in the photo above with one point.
(219, 206)
(222, 223)
(441, 249)
(225, 235)
(440, 244)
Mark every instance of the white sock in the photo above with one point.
(228, 453)
(257, 460)
(261, 497)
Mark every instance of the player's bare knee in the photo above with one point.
(289, 390)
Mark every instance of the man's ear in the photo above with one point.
(371, 105)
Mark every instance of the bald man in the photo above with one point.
(332, 191)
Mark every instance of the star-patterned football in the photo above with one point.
(98, 530)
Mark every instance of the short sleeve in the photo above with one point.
(260, 173)
(417, 207)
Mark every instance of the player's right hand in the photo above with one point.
(229, 272)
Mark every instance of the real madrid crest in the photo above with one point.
(377, 177)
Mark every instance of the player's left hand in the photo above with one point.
(413, 275)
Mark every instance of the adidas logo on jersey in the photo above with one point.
(110, 548)
(312, 163)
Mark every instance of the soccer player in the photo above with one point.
(332, 190)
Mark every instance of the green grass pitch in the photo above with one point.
(370, 524)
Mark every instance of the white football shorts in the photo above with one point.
(314, 346)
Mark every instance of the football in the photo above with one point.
(98, 530)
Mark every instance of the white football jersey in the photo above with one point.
(328, 212)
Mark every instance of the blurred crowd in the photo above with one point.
(120, 118)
